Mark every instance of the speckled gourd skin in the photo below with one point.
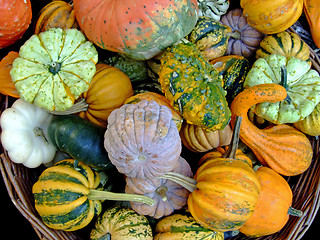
(142, 140)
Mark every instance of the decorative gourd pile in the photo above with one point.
(147, 103)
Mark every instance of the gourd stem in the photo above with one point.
(231, 152)
(294, 212)
(105, 195)
(79, 106)
(284, 81)
(162, 192)
(188, 183)
(235, 35)
(39, 133)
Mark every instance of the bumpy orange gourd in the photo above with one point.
(6, 85)
(273, 207)
(282, 147)
(108, 90)
(311, 9)
(269, 16)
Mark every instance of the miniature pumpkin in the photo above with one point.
(270, 16)
(285, 43)
(121, 223)
(311, 11)
(184, 226)
(213, 8)
(143, 29)
(197, 139)
(24, 134)
(56, 14)
(301, 82)
(210, 37)
(310, 124)
(54, 68)
(233, 69)
(6, 84)
(224, 190)
(273, 207)
(193, 87)
(281, 147)
(15, 19)
(244, 39)
(108, 90)
(66, 197)
(142, 140)
(168, 195)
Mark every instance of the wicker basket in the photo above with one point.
(305, 187)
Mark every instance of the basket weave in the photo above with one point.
(305, 187)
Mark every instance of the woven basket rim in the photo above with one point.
(305, 188)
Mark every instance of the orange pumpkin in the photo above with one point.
(108, 90)
(273, 207)
(6, 85)
(56, 14)
(311, 9)
(15, 19)
(269, 16)
(282, 147)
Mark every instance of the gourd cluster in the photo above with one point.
(174, 120)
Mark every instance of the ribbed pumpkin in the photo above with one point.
(142, 140)
(281, 147)
(269, 16)
(141, 30)
(193, 87)
(121, 223)
(161, 100)
(168, 195)
(15, 19)
(56, 14)
(233, 69)
(6, 85)
(213, 8)
(285, 43)
(310, 124)
(224, 190)
(273, 207)
(197, 139)
(244, 39)
(66, 197)
(184, 226)
(108, 90)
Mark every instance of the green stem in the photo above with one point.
(80, 106)
(235, 35)
(162, 192)
(284, 81)
(231, 152)
(294, 212)
(188, 183)
(105, 195)
(39, 133)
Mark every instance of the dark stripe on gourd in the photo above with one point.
(56, 197)
(59, 177)
(71, 164)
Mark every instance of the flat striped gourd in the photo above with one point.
(193, 87)
(121, 223)
(66, 197)
(285, 43)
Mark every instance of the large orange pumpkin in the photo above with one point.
(140, 29)
(15, 19)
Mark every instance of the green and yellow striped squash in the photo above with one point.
(233, 69)
(193, 87)
(61, 195)
(211, 37)
(184, 226)
(285, 43)
(121, 223)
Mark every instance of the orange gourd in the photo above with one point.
(311, 9)
(15, 19)
(6, 85)
(282, 147)
(273, 207)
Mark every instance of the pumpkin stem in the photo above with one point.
(39, 133)
(284, 81)
(162, 192)
(235, 35)
(188, 183)
(105, 195)
(231, 152)
(80, 106)
(294, 212)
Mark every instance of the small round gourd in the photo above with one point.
(142, 140)
(6, 85)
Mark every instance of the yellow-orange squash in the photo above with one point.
(108, 90)
(282, 147)
(273, 207)
(6, 85)
(311, 9)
